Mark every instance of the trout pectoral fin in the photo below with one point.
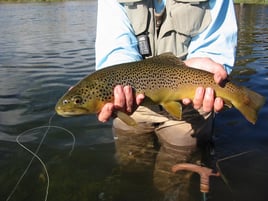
(173, 108)
(126, 118)
(227, 103)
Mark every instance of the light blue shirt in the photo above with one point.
(116, 42)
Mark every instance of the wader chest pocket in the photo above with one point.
(186, 17)
(137, 11)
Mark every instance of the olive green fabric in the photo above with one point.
(172, 29)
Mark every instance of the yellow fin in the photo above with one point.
(250, 104)
(173, 108)
(126, 118)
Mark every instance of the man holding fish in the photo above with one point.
(202, 33)
(162, 69)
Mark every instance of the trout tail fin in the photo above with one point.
(250, 104)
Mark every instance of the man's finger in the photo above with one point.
(220, 76)
(139, 98)
(198, 98)
(128, 98)
(119, 97)
(186, 101)
(106, 112)
(218, 104)
(208, 102)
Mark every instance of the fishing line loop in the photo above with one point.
(34, 154)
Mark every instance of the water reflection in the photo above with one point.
(47, 47)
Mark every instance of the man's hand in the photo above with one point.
(206, 97)
(124, 100)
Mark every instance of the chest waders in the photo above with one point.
(170, 30)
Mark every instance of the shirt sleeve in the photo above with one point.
(115, 39)
(219, 40)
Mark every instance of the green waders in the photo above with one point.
(170, 30)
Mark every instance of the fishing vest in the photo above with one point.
(170, 30)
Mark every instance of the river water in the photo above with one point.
(47, 47)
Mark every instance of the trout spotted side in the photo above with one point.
(164, 80)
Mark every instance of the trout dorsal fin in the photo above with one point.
(167, 58)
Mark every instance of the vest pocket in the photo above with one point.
(137, 11)
(186, 17)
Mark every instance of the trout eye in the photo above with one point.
(77, 99)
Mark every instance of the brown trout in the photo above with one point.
(164, 80)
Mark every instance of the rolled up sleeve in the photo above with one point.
(219, 40)
(115, 39)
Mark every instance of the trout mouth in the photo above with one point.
(65, 112)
